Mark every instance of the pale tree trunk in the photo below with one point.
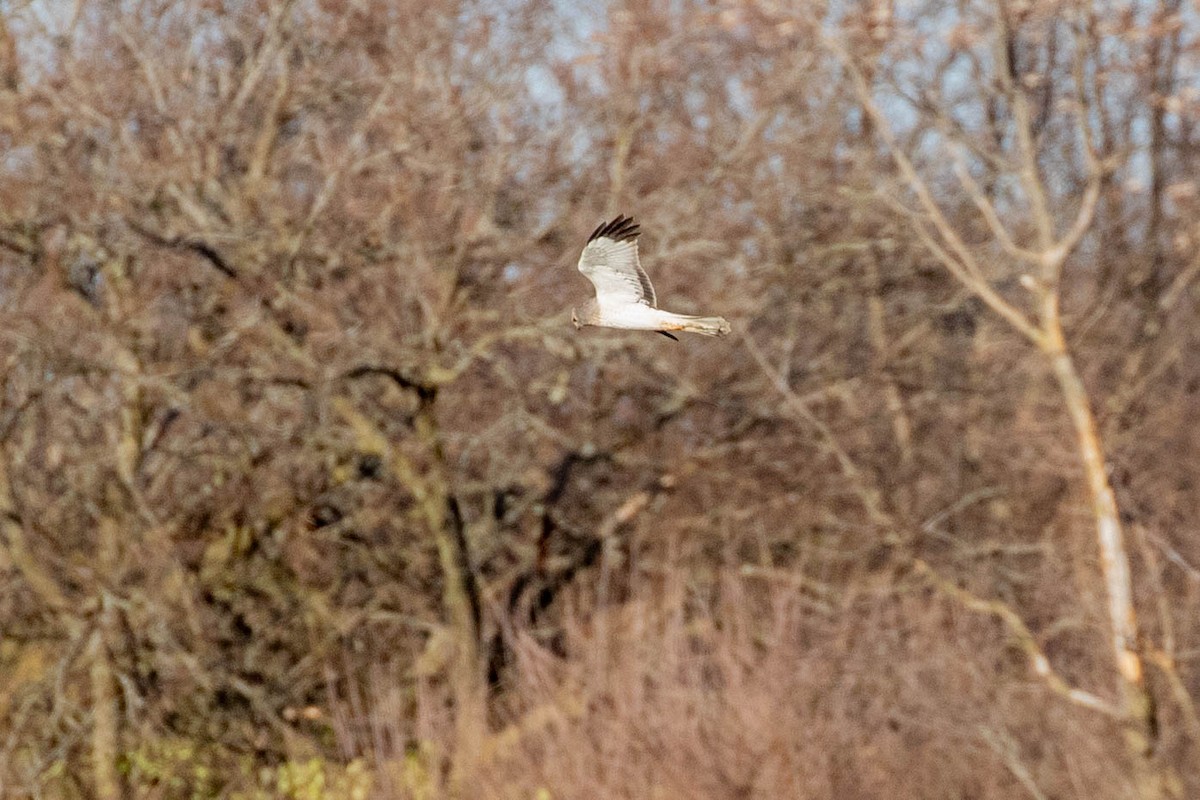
(1135, 700)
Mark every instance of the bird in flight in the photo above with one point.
(624, 296)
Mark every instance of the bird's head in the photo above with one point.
(575, 319)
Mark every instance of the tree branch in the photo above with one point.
(1025, 639)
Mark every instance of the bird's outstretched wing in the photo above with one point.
(610, 262)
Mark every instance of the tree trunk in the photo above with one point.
(460, 598)
(1114, 564)
(104, 717)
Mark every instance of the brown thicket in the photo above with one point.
(308, 488)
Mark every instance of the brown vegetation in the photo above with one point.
(308, 487)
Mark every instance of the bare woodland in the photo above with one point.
(308, 487)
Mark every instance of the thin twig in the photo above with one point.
(1025, 639)
(867, 494)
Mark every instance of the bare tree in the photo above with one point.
(309, 488)
(1038, 227)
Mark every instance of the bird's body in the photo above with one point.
(624, 295)
(640, 317)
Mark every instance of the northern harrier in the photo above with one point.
(624, 296)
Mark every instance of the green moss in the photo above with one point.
(178, 769)
(316, 779)
(174, 767)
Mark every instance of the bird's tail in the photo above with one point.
(709, 326)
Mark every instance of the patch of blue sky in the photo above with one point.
(19, 161)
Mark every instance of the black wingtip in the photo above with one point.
(621, 229)
(670, 336)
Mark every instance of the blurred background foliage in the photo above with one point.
(309, 489)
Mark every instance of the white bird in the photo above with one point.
(624, 296)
